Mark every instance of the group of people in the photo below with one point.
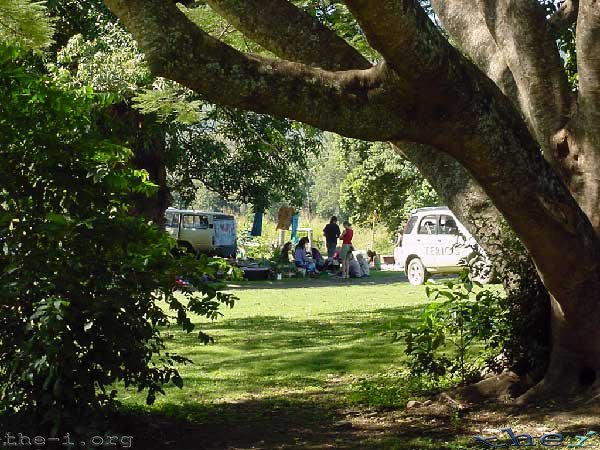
(340, 258)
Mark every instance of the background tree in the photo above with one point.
(25, 24)
(174, 131)
(491, 112)
(387, 183)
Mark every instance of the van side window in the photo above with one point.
(410, 225)
(428, 225)
(195, 222)
(172, 220)
(448, 225)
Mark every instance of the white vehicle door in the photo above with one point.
(427, 240)
(450, 244)
(195, 230)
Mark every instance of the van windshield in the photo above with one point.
(172, 220)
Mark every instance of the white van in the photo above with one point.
(434, 241)
(211, 233)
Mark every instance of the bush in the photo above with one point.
(459, 336)
(80, 277)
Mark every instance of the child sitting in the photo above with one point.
(300, 258)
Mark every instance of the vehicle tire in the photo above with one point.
(481, 270)
(183, 248)
(416, 272)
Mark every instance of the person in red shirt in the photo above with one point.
(346, 238)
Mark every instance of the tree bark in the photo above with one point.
(255, 19)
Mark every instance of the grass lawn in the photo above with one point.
(287, 365)
(296, 338)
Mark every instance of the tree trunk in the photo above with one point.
(147, 141)
(574, 369)
(153, 208)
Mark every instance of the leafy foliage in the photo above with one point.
(386, 183)
(25, 23)
(443, 342)
(243, 156)
(81, 279)
(528, 340)
(110, 62)
(252, 158)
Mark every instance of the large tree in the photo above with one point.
(493, 110)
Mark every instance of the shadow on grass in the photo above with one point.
(266, 345)
(321, 422)
(291, 422)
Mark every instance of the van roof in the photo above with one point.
(430, 208)
(196, 211)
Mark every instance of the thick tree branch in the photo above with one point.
(564, 17)
(290, 33)
(436, 98)
(520, 30)
(402, 32)
(464, 22)
(352, 102)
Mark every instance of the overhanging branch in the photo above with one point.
(465, 23)
(351, 102)
(289, 32)
(431, 95)
(272, 30)
(402, 32)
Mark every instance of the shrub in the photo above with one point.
(460, 332)
(81, 278)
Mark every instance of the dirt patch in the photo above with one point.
(315, 423)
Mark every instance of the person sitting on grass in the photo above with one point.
(284, 252)
(374, 260)
(354, 270)
(318, 258)
(333, 263)
(300, 258)
(364, 265)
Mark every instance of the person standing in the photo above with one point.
(331, 233)
(346, 238)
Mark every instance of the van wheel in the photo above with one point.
(416, 273)
(183, 248)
